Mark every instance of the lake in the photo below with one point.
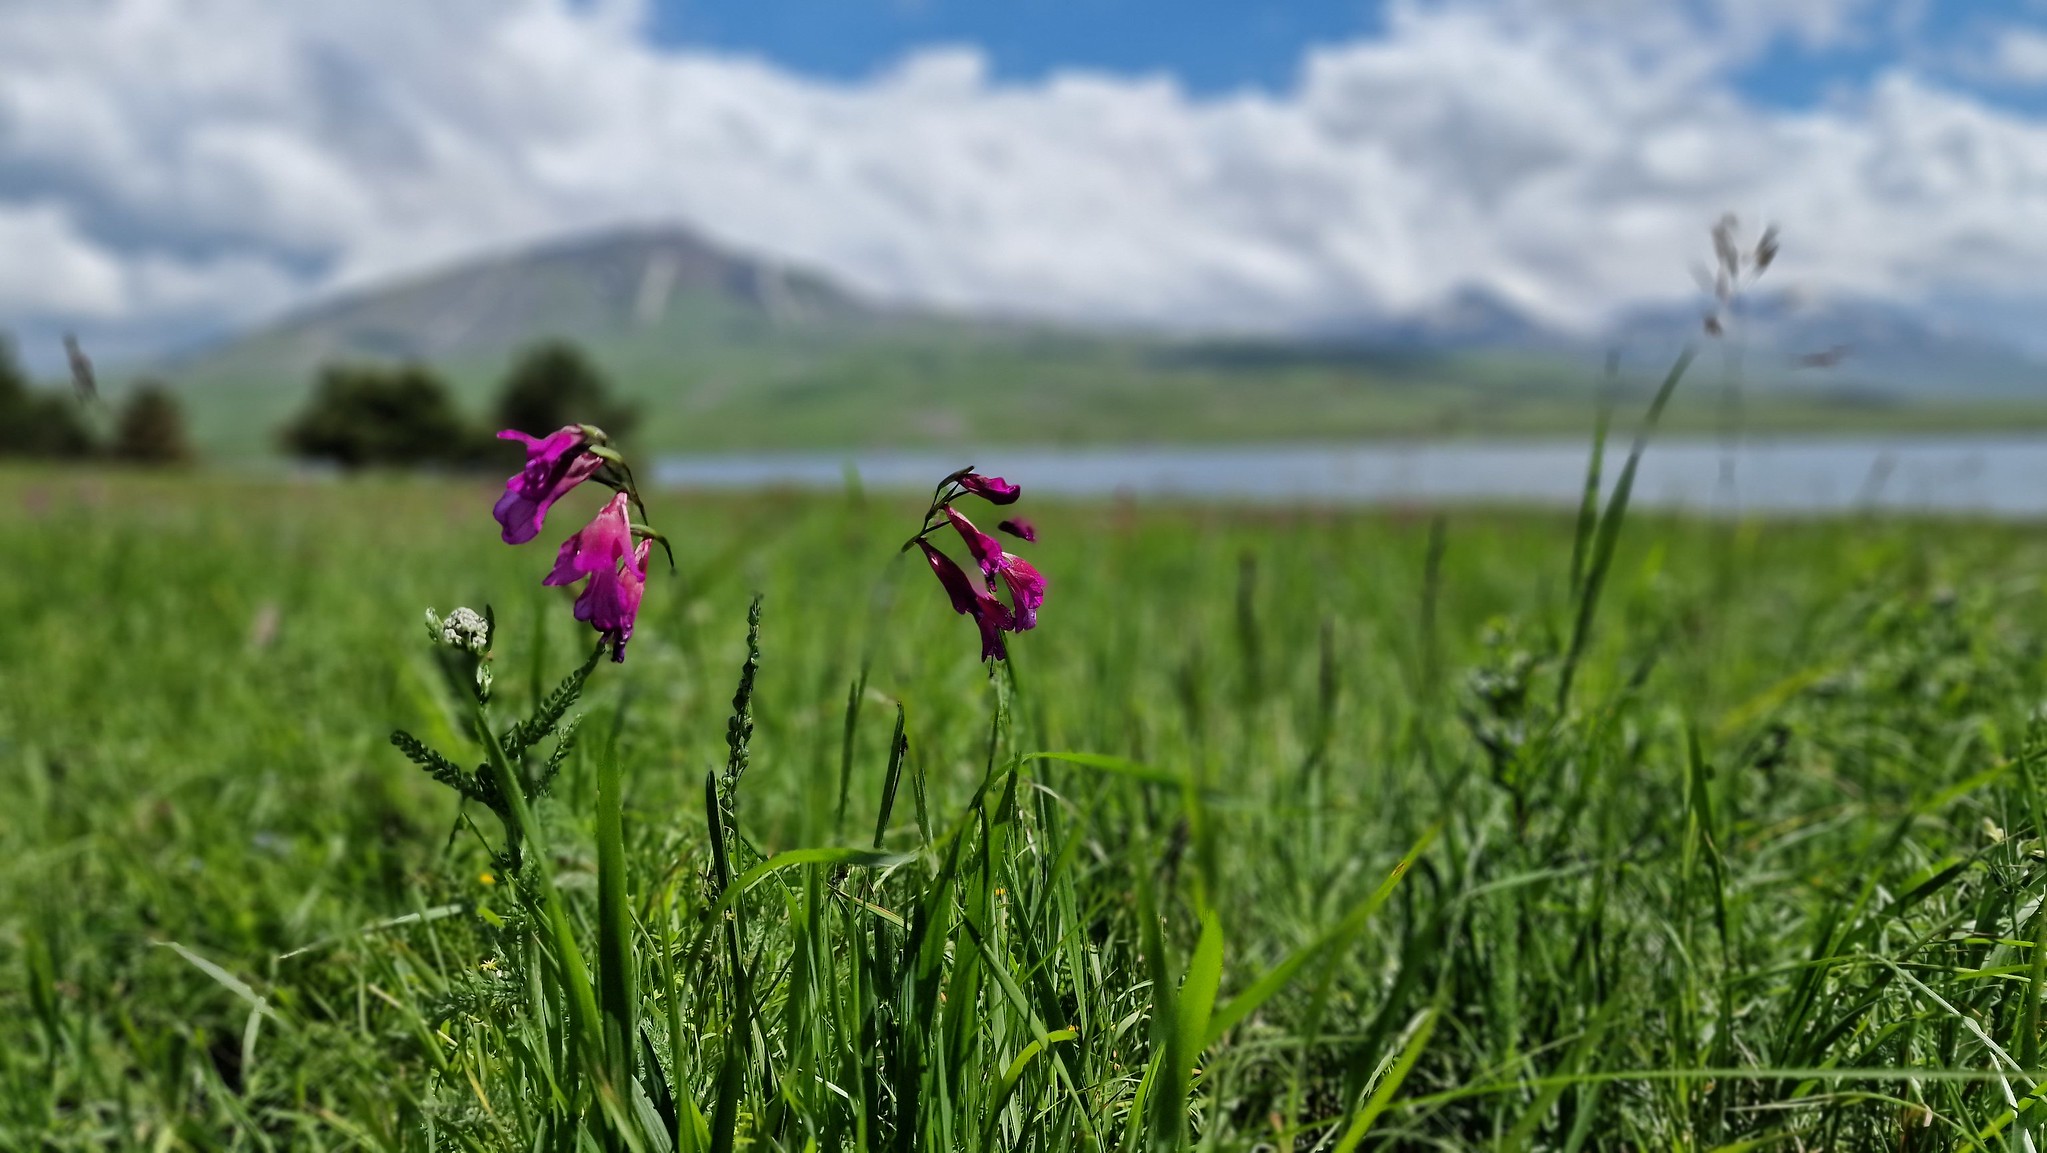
(2004, 476)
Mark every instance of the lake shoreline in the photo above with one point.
(2001, 474)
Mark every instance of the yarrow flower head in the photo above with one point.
(464, 629)
(604, 550)
(555, 463)
(465, 635)
(980, 600)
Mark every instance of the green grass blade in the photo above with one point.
(898, 748)
(1382, 1094)
(1119, 766)
(1196, 999)
(1279, 976)
(1607, 535)
(1588, 504)
(848, 732)
(618, 998)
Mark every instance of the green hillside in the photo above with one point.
(727, 353)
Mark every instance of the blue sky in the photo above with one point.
(177, 169)
(1209, 45)
(1215, 46)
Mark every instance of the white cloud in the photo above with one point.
(2020, 56)
(51, 270)
(202, 161)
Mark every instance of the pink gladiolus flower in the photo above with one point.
(604, 551)
(555, 464)
(978, 599)
(986, 550)
(992, 489)
(1026, 589)
(1026, 584)
(988, 611)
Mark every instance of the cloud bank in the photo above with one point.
(170, 168)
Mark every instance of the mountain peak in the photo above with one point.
(588, 287)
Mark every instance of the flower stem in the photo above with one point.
(573, 973)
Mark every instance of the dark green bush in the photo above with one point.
(151, 427)
(362, 415)
(553, 384)
(35, 422)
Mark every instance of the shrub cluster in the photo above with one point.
(364, 415)
(148, 426)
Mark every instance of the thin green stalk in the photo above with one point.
(1607, 535)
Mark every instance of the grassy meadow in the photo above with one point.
(723, 382)
(1336, 859)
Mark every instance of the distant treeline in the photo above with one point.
(146, 427)
(360, 414)
(365, 415)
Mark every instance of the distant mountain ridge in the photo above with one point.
(582, 287)
(1824, 341)
(699, 335)
(1784, 338)
(1469, 319)
(600, 287)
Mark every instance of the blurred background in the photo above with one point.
(1339, 249)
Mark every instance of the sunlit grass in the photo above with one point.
(1329, 866)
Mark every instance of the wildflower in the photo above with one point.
(555, 464)
(1026, 584)
(604, 551)
(1026, 590)
(464, 629)
(992, 489)
(986, 550)
(990, 615)
(468, 633)
(978, 599)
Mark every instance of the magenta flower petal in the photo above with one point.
(596, 547)
(992, 647)
(992, 489)
(565, 571)
(990, 615)
(555, 464)
(611, 601)
(1020, 528)
(603, 550)
(1026, 589)
(957, 586)
(987, 551)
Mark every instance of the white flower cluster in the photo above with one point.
(464, 629)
